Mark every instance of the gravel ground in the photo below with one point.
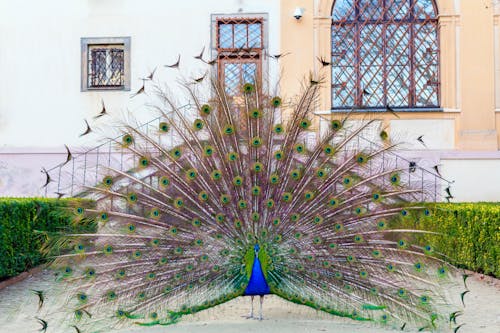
(18, 306)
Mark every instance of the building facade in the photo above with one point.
(435, 63)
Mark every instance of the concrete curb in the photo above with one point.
(21, 277)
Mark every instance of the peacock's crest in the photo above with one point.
(241, 183)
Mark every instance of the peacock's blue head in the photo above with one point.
(256, 248)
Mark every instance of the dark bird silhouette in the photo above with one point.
(142, 90)
(200, 56)
(47, 178)
(426, 328)
(421, 140)
(60, 194)
(465, 277)
(403, 327)
(76, 329)
(278, 56)
(87, 130)
(391, 110)
(323, 62)
(436, 168)
(41, 297)
(69, 156)
(366, 92)
(176, 64)
(43, 323)
(200, 79)
(103, 111)
(313, 81)
(240, 49)
(457, 328)
(447, 190)
(462, 295)
(454, 315)
(87, 313)
(210, 62)
(412, 166)
(150, 75)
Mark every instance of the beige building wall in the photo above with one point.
(467, 130)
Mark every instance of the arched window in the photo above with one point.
(385, 53)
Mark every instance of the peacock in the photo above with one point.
(246, 202)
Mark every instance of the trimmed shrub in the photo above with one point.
(25, 224)
(468, 234)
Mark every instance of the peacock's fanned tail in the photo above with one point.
(177, 232)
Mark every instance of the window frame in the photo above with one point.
(223, 55)
(86, 43)
(358, 22)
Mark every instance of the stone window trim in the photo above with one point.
(86, 43)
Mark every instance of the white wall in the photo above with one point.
(41, 105)
(475, 179)
(40, 100)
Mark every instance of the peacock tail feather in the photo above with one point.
(178, 231)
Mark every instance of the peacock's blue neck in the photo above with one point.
(257, 284)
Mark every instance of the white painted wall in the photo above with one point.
(475, 179)
(41, 105)
(40, 100)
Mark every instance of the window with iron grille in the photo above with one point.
(105, 63)
(239, 47)
(385, 53)
(106, 68)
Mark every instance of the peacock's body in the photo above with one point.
(245, 205)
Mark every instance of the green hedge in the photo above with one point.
(24, 222)
(469, 234)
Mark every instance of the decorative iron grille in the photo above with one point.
(385, 52)
(239, 52)
(106, 66)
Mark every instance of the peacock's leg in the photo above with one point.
(251, 308)
(260, 307)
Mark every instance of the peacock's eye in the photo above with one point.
(248, 88)
(163, 127)
(336, 125)
(205, 110)
(127, 140)
(276, 101)
(305, 123)
(278, 129)
(198, 124)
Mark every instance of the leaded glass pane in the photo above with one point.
(226, 36)
(231, 78)
(398, 9)
(370, 9)
(384, 52)
(254, 35)
(249, 72)
(240, 35)
(344, 10)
